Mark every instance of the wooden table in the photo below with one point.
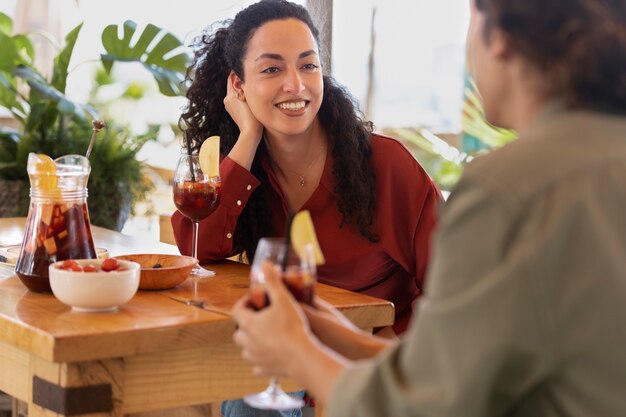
(154, 353)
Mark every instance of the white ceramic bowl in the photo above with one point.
(94, 291)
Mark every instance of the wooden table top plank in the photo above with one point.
(152, 321)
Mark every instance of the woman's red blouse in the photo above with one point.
(393, 268)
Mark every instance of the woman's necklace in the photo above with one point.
(301, 176)
(302, 182)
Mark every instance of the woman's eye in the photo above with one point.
(270, 70)
(311, 66)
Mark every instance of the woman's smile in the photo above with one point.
(292, 108)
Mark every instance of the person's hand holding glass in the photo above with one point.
(299, 275)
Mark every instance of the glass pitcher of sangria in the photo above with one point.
(58, 225)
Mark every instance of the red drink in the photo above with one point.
(55, 231)
(258, 297)
(300, 285)
(197, 193)
(196, 200)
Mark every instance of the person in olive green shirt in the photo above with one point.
(524, 312)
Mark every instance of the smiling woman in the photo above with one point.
(293, 139)
(283, 86)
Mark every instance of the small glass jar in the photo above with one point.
(57, 226)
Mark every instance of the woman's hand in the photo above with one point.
(338, 333)
(276, 338)
(236, 105)
(250, 129)
(324, 315)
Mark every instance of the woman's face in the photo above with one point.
(283, 77)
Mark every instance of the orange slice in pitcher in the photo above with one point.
(209, 156)
(303, 234)
(45, 172)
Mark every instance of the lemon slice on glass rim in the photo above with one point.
(303, 234)
(209, 156)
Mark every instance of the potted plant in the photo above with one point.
(49, 122)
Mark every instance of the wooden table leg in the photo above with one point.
(19, 408)
(95, 387)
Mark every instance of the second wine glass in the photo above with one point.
(299, 275)
(196, 196)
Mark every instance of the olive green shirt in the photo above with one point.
(525, 305)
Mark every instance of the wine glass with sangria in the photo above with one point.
(299, 273)
(196, 196)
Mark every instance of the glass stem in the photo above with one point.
(195, 240)
(274, 387)
(194, 278)
(194, 293)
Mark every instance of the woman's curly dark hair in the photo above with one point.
(580, 45)
(223, 50)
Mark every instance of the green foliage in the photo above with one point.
(53, 124)
(102, 77)
(134, 91)
(474, 122)
(8, 52)
(62, 61)
(6, 24)
(443, 161)
(116, 177)
(9, 141)
(168, 72)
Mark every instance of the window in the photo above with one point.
(419, 59)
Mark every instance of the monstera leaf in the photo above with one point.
(158, 51)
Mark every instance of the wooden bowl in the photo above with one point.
(173, 269)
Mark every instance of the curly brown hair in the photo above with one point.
(580, 46)
(219, 51)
